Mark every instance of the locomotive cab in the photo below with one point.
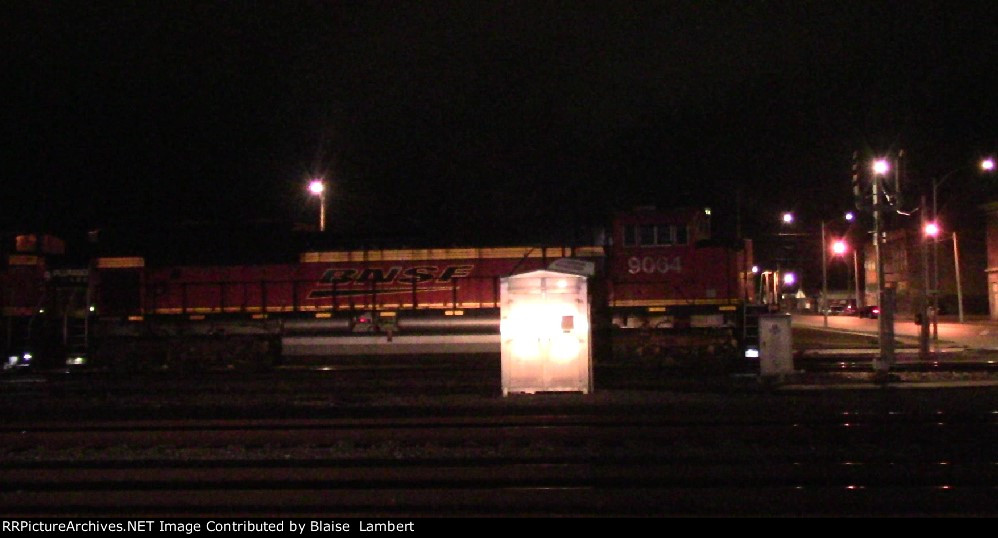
(673, 290)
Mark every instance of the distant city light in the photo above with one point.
(755, 268)
(850, 216)
(789, 279)
(788, 217)
(932, 229)
(839, 247)
(880, 167)
(988, 164)
(706, 211)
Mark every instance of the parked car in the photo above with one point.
(872, 312)
(841, 310)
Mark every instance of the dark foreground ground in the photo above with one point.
(418, 437)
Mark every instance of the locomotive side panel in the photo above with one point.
(338, 281)
(195, 314)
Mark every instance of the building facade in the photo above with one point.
(913, 274)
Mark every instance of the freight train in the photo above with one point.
(662, 290)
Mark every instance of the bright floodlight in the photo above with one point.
(880, 166)
(789, 279)
(788, 217)
(988, 164)
(839, 247)
(932, 229)
(316, 186)
(850, 216)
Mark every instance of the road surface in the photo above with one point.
(971, 334)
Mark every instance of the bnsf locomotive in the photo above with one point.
(661, 289)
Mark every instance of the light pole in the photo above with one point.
(824, 276)
(838, 249)
(855, 279)
(849, 216)
(956, 269)
(986, 165)
(788, 278)
(318, 188)
(929, 230)
(885, 327)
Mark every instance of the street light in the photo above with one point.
(881, 167)
(987, 165)
(318, 188)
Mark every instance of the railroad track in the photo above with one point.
(944, 365)
(606, 462)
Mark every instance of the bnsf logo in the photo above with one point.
(406, 277)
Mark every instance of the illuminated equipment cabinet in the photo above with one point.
(545, 333)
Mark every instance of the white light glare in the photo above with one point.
(880, 166)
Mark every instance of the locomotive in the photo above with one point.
(662, 290)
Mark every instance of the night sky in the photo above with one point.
(477, 120)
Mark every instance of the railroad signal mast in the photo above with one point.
(877, 194)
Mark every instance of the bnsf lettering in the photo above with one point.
(332, 280)
(378, 275)
(337, 276)
(418, 274)
(455, 271)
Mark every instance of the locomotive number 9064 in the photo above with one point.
(651, 264)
